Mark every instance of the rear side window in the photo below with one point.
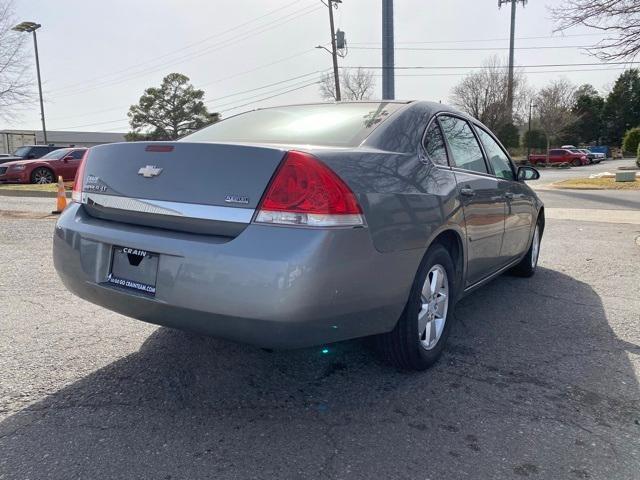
(497, 158)
(463, 144)
(556, 152)
(434, 145)
(332, 124)
(40, 151)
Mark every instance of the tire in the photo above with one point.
(42, 175)
(529, 263)
(576, 162)
(406, 347)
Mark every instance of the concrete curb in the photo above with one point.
(28, 193)
(593, 215)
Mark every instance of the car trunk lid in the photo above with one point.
(210, 188)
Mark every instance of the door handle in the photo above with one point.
(509, 195)
(467, 192)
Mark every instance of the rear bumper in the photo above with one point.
(275, 287)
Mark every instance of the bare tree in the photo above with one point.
(15, 83)
(555, 109)
(358, 85)
(483, 94)
(619, 19)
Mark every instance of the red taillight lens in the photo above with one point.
(78, 181)
(304, 191)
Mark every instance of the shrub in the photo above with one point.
(509, 135)
(631, 140)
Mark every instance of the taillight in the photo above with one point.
(78, 181)
(304, 191)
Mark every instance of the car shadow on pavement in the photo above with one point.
(533, 383)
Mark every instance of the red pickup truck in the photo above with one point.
(560, 155)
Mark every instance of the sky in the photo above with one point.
(97, 57)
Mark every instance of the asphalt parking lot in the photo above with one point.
(540, 380)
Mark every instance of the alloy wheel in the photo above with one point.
(42, 175)
(434, 307)
(535, 247)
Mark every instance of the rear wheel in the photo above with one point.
(42, 175)
(419, 337)
(527, 266)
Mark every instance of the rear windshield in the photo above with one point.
(57, 154)
(342, 124)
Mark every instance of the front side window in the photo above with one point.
(77, 154)
(497, 158)
(464, 147)
(434, 145)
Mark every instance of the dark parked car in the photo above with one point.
(302, 225)
(62, 162)
(29, 152)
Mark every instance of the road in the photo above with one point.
(539, 380)
(550, 175)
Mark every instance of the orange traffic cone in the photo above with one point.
(61, 197)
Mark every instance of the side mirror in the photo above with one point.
(67, 158)
(527, 173)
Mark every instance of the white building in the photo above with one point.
(12, 139)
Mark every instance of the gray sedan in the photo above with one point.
(302, 225)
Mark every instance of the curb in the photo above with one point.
(28, 193)
(555, 186)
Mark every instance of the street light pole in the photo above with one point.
(31, 27)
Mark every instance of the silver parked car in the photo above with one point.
(302, 225)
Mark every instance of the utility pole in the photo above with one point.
(511, 52)
(388, 53)
(529, 131)
(334, 50)
(31, 27)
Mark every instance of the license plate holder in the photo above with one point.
(134, 269)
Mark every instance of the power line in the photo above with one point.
(91, 124)
(536, 72)
(229, 77)
(221, 107)
(265, 86)
(464, 49)
(470, 67)
(476, 40)
(262, 87)
(272, 96)
(186, 47)
(226, 43)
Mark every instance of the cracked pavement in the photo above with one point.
(539, 380)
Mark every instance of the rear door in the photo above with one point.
(556, 156)
(70, 164)
(519, 213)
(482, 200)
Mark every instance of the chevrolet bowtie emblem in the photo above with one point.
(150, 171)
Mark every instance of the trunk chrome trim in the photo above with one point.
(174, 209)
